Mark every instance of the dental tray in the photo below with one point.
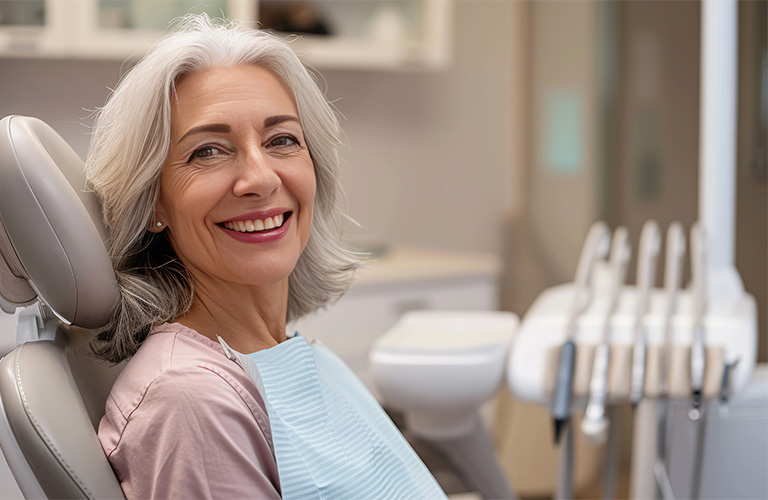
(730, 332)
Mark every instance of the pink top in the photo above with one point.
(184, 421)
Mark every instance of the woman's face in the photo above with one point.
(238, 185)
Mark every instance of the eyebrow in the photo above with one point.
(223, 128)
(211, 127)
(271, 121)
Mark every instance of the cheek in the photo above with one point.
(306, 193)
(183, 202)
(184, 193)
(312, 193)
(309, 194)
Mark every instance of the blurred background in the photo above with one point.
(483, 137)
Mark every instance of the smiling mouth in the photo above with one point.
(257, 225)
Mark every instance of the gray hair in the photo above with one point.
(126, 155)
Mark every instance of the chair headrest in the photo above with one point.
(52, 239)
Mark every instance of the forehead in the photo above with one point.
(229, 92)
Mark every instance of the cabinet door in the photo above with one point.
(22, 13)
(29, 28)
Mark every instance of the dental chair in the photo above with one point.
(52, 252)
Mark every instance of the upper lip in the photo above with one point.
(261, 214)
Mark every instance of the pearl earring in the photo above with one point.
(159, 224)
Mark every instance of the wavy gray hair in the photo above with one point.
(126, 155)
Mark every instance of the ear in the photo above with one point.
(158, 223)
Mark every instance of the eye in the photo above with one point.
(284, 141)
(206, 152)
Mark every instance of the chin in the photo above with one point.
(266, 274)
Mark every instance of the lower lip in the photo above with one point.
(261, 236)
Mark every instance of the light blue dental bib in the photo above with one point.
(332, 440)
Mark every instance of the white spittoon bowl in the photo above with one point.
(439, 367)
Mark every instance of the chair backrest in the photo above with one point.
(52, 392)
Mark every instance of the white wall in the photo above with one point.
(429, 154)
(60, 92)
(564, 204)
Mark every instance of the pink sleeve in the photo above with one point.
(194, 436)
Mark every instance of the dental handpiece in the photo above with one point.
(595, 248)
(595, 425)
(698, 345)
(650, 242)
(673, 272)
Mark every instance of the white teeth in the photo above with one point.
(249, 226)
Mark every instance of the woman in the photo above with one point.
(216, 163)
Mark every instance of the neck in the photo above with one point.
(248, 318)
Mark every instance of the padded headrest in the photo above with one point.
(52, 239)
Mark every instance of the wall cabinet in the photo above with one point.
(341, 34)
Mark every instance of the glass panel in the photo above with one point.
(22, 12)
(379, 19)
(289, 16)
(154, 14)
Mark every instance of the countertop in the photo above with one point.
(401, 264)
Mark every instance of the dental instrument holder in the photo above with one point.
(731, 328)
(731, 316)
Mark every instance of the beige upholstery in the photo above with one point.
(52, 392)
(56, 450)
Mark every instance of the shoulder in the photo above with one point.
(175, 370)
(179, 406)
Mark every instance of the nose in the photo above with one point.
(256, 175)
